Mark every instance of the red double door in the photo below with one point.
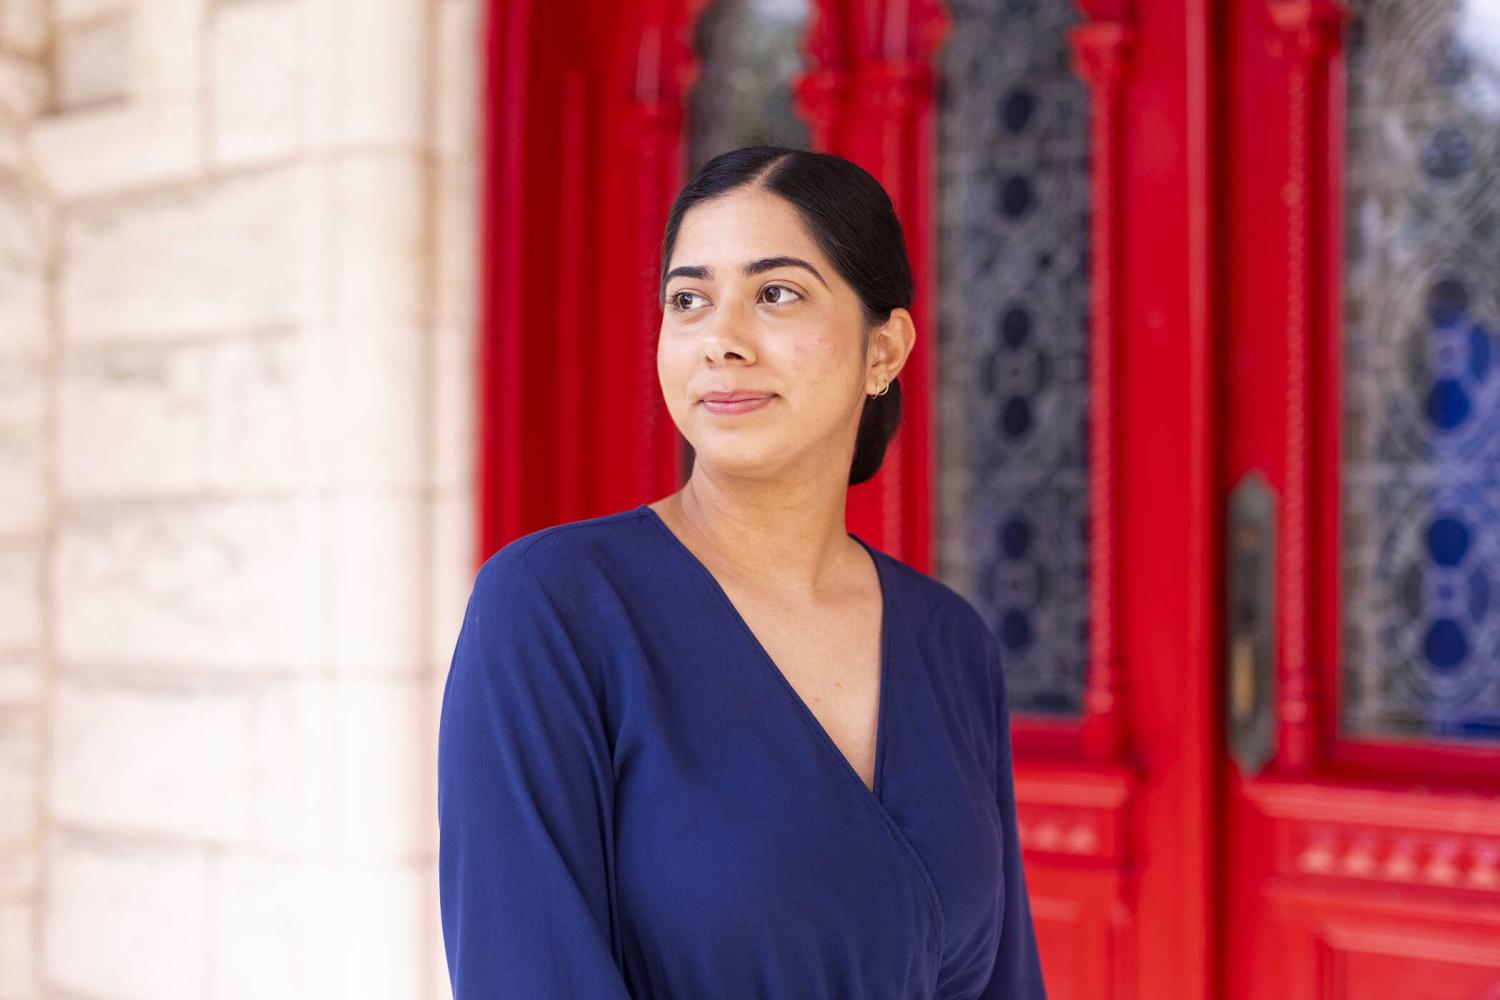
(1281, 777)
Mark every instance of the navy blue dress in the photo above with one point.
(633, 801)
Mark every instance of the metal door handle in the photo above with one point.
(1250, 565)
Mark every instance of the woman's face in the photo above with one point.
(752, 305)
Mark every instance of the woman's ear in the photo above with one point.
(890, 344)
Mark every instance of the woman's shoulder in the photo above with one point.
(562, 567)
(561, 549)
(547, 591)
(948, 626)
(934, 602)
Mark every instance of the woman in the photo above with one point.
(716, 746)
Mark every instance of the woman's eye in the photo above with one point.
(782, 298)
(676, 300)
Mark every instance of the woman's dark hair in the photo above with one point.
(851, 218)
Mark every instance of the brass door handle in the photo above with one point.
(1241, 679)
(1250, 629)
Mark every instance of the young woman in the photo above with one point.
(716, 746)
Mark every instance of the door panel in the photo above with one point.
(1076, 450)
(1361, 860)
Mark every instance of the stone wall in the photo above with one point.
(237, 282)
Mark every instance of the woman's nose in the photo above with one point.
(727, 335)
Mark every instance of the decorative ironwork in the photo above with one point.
(1013, 340)
(1421, 437)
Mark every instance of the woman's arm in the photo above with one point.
(525, 793)
(1018, 965)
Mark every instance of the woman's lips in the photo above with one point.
(727, 407)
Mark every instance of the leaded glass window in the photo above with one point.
(1421, 371)
(1012, 342)
(749, 52)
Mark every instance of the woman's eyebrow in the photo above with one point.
(771, 263)
(703, 273)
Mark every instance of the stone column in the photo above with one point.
(235, 395)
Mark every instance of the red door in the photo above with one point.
(1362, 495)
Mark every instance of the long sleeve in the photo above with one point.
(525, 800)
(1018, 965)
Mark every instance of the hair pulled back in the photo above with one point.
(850, 216)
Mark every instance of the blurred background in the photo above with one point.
(237, 323)
(309, 306)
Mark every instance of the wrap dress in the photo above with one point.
(633, 801)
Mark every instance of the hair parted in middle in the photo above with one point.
(851, 218)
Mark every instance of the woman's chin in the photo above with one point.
(740, 457)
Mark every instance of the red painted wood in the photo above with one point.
(1101, 51)
(1166, 461)
(1364, 891)
(1308, 30)
(571, 422)
(1086, 934)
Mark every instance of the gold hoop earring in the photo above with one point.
(883, 390)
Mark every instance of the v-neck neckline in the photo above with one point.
(882, 714)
